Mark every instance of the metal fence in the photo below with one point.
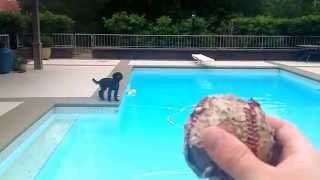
(87, 41)
(4, 38)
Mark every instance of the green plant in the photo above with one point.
(267, 25)
(12, 22)
(55, 23)
(47, 41)
(196, 25)
(164, 25)
(19, 64)
(125, 23)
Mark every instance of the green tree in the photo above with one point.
(289, 8)
(193, 26)
(164, 25)
(12, 22)
(55, 23)
(87, 14)
(125, 23)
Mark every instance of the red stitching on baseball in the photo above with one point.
(252, 128)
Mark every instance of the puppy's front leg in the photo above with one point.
(109, 94)
(115, 95)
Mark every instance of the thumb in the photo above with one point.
(231, 154)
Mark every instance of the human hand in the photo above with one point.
(299, 159)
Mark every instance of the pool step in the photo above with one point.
(29, 163)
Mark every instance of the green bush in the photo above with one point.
(47, 41)
(267, 25)
(12, 22)
(305, 25)
(55, 23)
(197, 25)
(124, 23)
(164, 25)
(50, 23)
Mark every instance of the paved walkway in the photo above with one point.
(313, 67)
(82, 62)
(53, 81)
(8, 106)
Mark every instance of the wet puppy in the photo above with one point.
(110, 84)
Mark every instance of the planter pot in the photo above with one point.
(46, 53)
(23, 68)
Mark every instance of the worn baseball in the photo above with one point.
(244, 119)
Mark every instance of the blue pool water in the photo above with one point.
(144, 140)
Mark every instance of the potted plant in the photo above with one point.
(20, 65)
(46, 47)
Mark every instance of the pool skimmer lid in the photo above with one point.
(243, 119)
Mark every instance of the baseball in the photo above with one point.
(243, 119)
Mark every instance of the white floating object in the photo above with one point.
(132, 92)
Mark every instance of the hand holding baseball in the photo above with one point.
(299, 159)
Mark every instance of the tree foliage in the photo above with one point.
(55, 23)
(164, 25)
(267, 25)
(12, 22)
(87, 14)
(124, 23)
(174, 16)
(290, 8)
(21, 23)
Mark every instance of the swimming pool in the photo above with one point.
(143, 139)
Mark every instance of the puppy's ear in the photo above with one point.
(117, 76)
(120, 76)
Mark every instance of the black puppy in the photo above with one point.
(112, 84)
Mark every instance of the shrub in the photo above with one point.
(305, 25)
(164, 25)
(125, 24)
(197, 25)
(260, 25)
(12, 22)
(50, 23)
(267, 25)
(47, 41)
(55, 23)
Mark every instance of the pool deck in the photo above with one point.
(24, 98)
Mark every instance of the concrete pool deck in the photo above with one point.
(24, 98)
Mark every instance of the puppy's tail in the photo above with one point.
(95, 81)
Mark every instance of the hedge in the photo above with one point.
(123, 23)
(55, 23)
(267, 25)
(50, 23)
(12, 22)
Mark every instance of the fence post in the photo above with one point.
(17, 40)
(8, 41)
(92, 44)
(75, 40)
